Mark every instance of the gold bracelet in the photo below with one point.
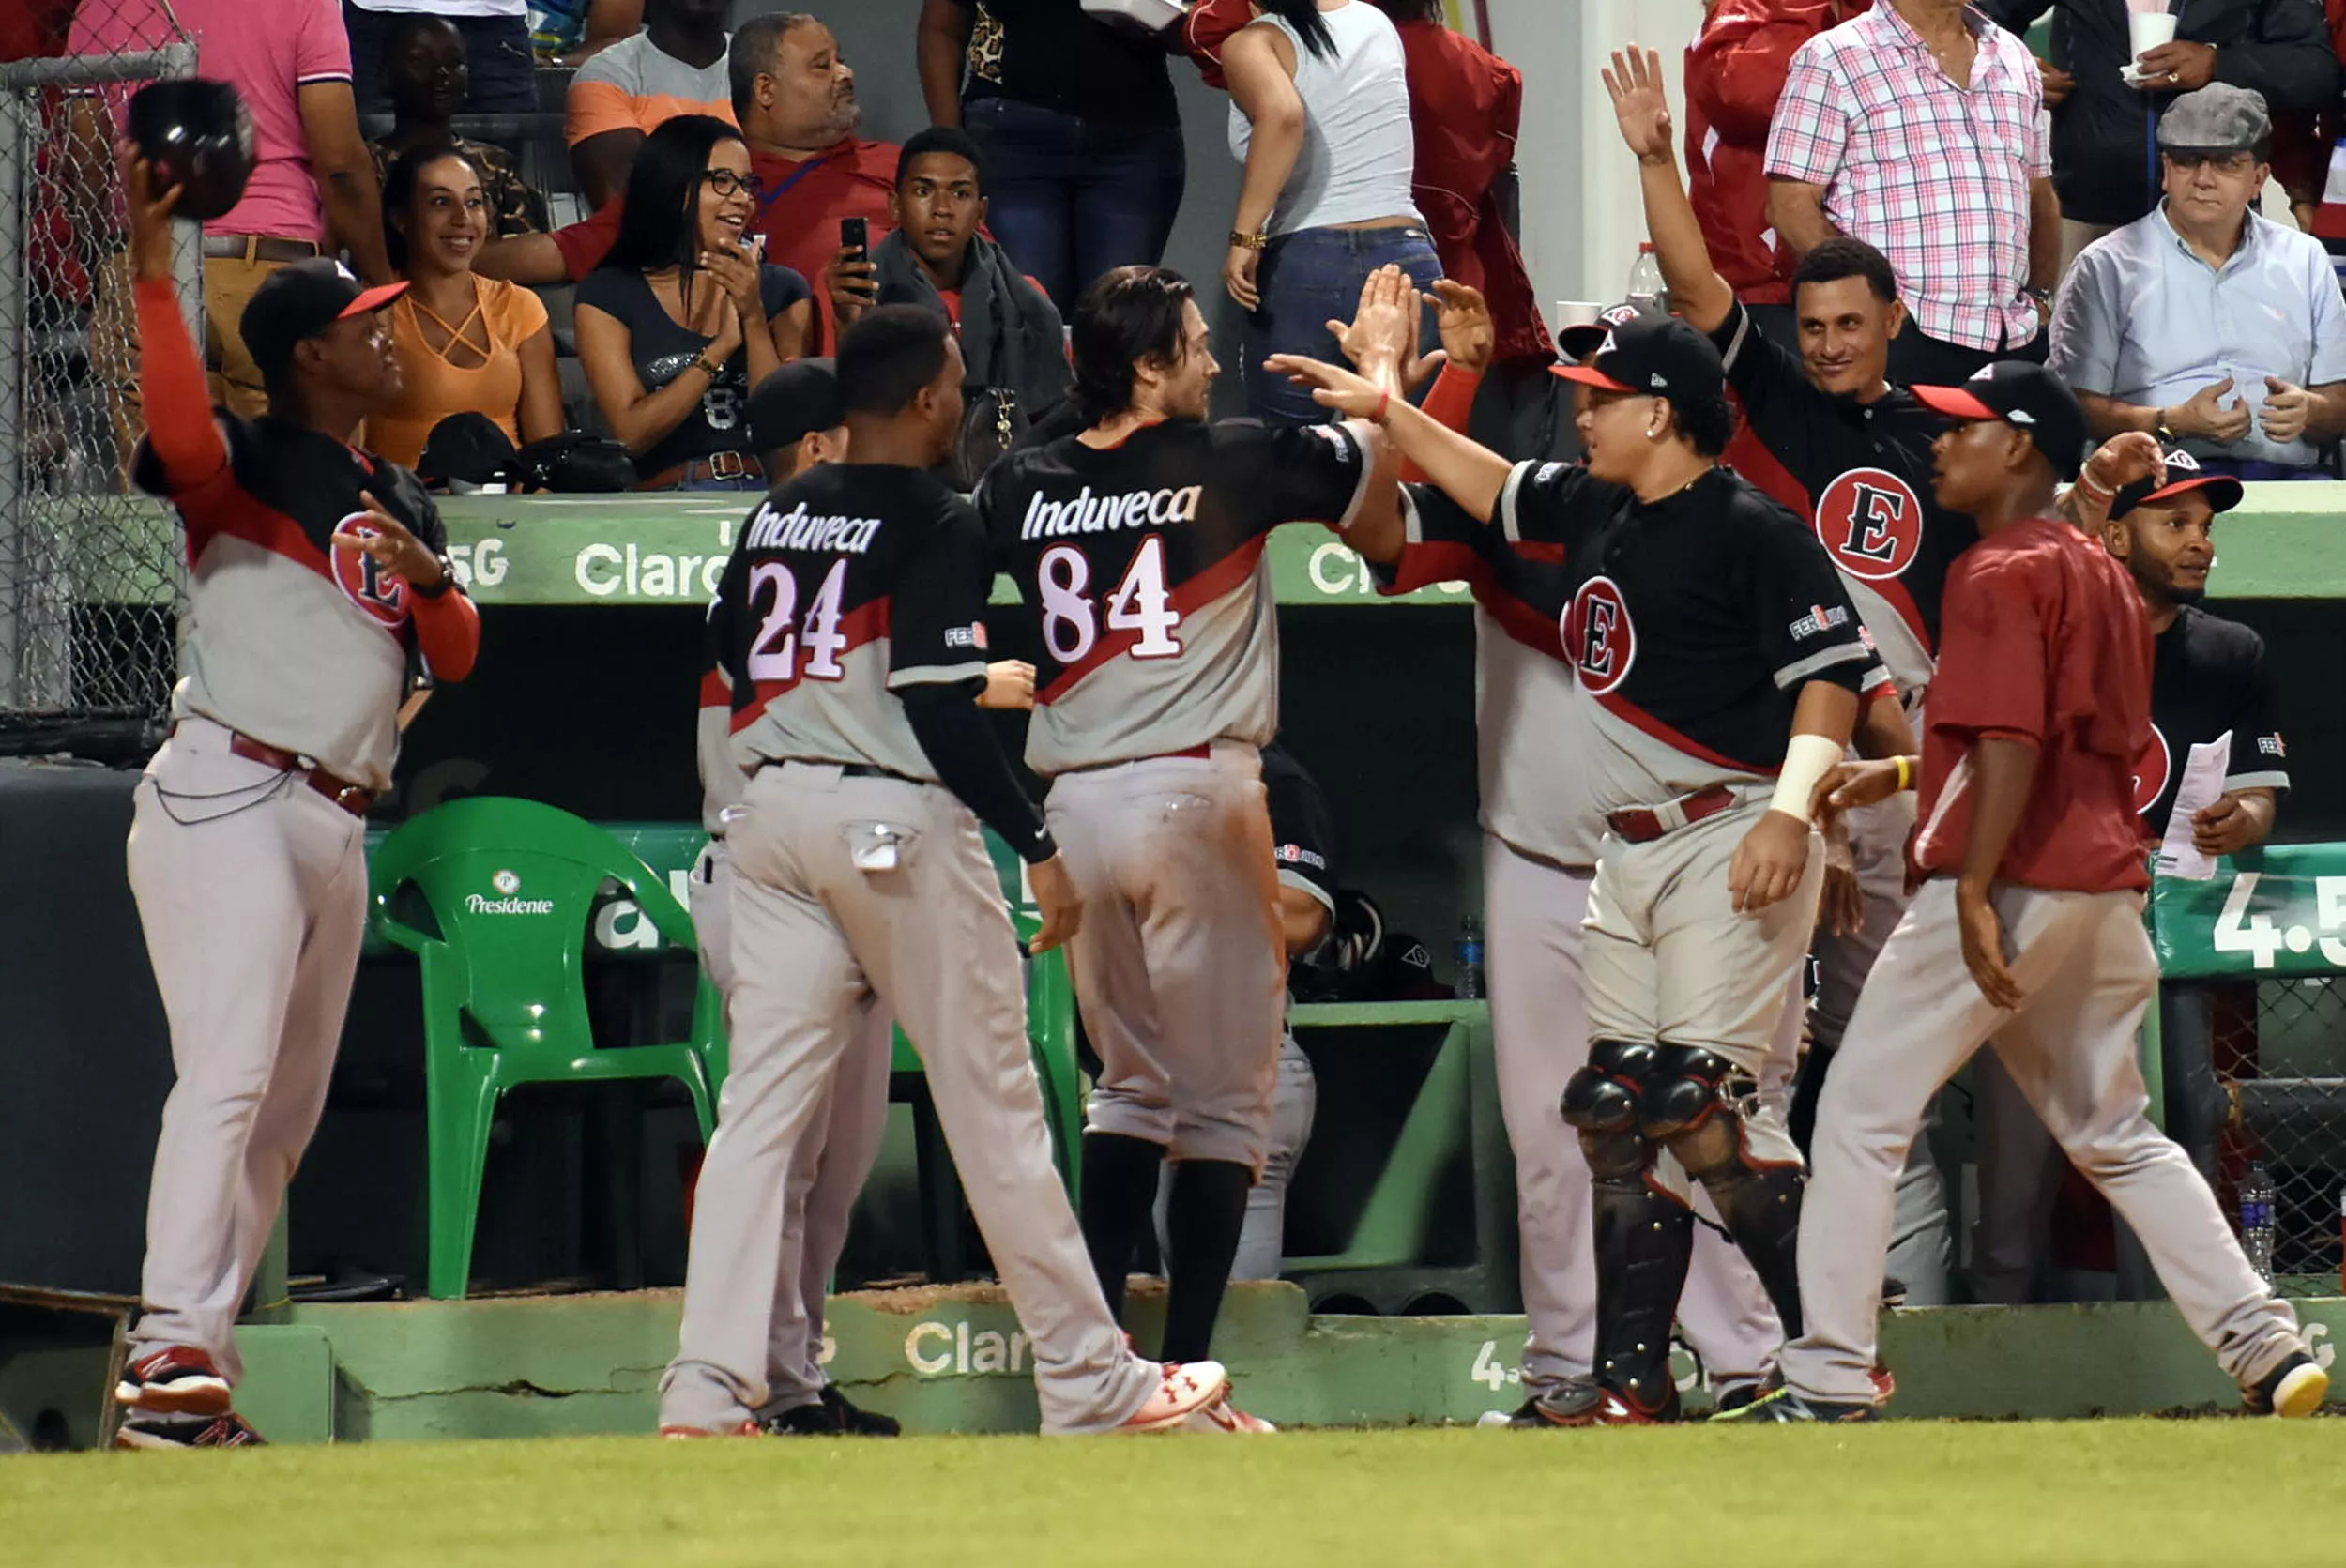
(1906, 773)
(1259, 240)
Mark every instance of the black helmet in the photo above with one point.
(197, 135)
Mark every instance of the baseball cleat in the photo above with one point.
(1575, 1403)
(1225, 1416)
(2292, 1390)
(1183, 1389)
(229, 1430)
(832, 1416)
(1733, 1394)
(746, 1429)
(1781, 1406)
(173, 1382)
(1524, 1414)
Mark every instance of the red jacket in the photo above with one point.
(1735, 74)
(1465, 106)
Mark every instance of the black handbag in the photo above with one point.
(991, 425)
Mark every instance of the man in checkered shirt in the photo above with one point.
(1920, 128)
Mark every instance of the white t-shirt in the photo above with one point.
(448, 7)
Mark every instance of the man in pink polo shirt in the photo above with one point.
(313, 184)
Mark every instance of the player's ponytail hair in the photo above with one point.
(1130, 315)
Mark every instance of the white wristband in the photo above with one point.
(1807, 759)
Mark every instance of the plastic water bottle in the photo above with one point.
(2256, 1221)
(1467, 958)
(1645, 281)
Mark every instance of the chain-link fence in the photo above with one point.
(2256, 1091)
(2280, 1052)
(90, 582)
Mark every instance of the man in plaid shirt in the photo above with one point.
(1920, 128)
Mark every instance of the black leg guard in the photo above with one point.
(1644, 1237)
(1690, 1108)
(1644, 1240)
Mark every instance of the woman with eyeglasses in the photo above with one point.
(682, 318)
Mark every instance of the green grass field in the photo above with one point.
(1910, 1495)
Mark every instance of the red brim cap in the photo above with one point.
(2226, 490)
(374, 300)
(1590, 377)
(1960, 401)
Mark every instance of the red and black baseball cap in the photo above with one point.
(1580, 341)
(2184, 474)
(299, 300)
(2027, 397)
(1649, 355)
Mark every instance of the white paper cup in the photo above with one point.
(2147, 30)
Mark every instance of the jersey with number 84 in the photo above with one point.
(1142, 564)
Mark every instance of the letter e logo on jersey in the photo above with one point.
(2150, 772)
(1870, 523)
(374, 588)
(1599, 636)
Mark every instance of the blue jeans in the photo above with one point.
(501, 72)
(1072, 198)
(1307, 279)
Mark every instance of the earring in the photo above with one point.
(1654, 432)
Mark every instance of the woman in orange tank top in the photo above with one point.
(466, 343)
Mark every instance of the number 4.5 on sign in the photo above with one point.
(2262, 938)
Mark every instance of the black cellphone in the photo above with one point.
(854, 233)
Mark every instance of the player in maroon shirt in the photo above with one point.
(2033, 870)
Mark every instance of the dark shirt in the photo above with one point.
(1049, 52)
(2209, 676)
(663, 348)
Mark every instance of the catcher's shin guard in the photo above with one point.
(1693, 1106)
(1645, 1239)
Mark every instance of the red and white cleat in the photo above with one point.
(1184, 1390)
(173, 1382)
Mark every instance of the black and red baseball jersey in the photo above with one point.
(287, 638)
(1143, 564)
(850, 583)
(1866, 470)
(1693, 622)
(2208, 676)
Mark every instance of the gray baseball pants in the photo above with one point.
(858, 895)
(251, 888)
(2087, 969)
(824, 1181)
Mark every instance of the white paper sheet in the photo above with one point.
(2202, 786)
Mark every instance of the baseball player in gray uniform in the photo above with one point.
(1724, 666)
(317, 589)
(795, 422)
(1541, 829)
(850, 625)
(2028, 927)
(1138, 546)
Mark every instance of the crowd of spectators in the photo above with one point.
(2041, 208)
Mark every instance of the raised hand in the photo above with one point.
(1384, 326)
(1332, 386)
(150, 213)
(1469, 335)
(1641, 104)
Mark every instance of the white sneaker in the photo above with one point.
(1182, 1390)
(1224, 1416)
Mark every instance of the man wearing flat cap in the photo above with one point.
(2205, 322)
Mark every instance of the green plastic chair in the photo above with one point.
(511, 885)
